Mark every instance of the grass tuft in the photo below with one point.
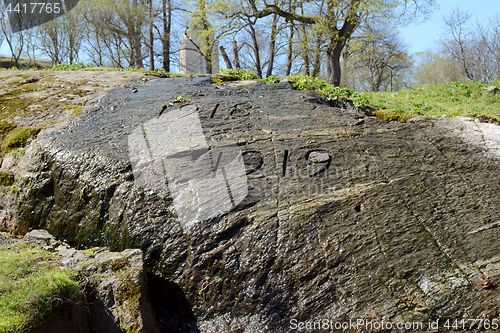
(32, 286)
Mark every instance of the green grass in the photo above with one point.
(8, 64)
(32, 287)
(442, 100)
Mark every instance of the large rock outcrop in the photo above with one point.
(343, 216)
(117, 296)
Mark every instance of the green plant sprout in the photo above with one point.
(206, 284)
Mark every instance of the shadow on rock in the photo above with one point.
(172, 309)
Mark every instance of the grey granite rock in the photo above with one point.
(120, 299)
(345, 216)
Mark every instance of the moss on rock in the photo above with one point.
(18, 138)
(6, 178)
(128, 302)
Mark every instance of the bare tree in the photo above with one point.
(380, 55)
(436, 67)
(15, 41)
(167, 28)
(475, 47)
(124, 18)
(457, 40)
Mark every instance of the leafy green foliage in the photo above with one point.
(240, 74)
(65, 67)
(181, 99)
(272, 79)
(330, 92)
(31, 286)
(306, 82)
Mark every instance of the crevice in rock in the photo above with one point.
(173, 311)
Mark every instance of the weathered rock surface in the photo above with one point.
(493, 89)
(346, 216)
(119, 300)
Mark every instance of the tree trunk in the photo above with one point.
(226, 58)
(305, 47)
(167, 24)
(290, 51)
(317, 57)
(338, 39)
(136, 51)
(272, 46)
(236, 56)
(208, 43)
(208, 61)
(71, 42)
(333, 62)
(151, 38)
(305, 51)
(135, 36)
(256, 51)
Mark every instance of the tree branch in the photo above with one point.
(273, 9)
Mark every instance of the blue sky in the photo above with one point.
(421, 37)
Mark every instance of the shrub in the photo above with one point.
(65, 67)
(305, 82)
(331, 93)
(239, 74)
(272, 79)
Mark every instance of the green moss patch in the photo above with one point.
(76, 108)
(128, 298)
(6, 178)
(5, 128)
(24, 94)
(392, 115)
(487, 118)
(18, 138)
(119, 264)
(32, 286)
